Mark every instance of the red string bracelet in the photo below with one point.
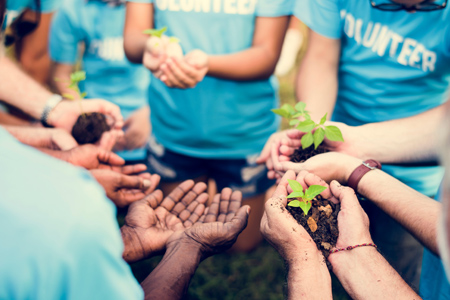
(352, 247)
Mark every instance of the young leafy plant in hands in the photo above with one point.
(160, 42)
(305, 197)
(89, 127)
(293, 115)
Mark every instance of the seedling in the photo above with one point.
(75, 79)
(171, 44)
(293, 115)
(306, 197)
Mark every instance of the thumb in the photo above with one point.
(345, 195)
(239, 221)
(107, 157)
(134, 182)
(281, 190)
(265, 153)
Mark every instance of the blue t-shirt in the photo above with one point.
(393, 65)
(218, 118)
(58, 233)
(15, 7)
(433, 280)
(109, 75)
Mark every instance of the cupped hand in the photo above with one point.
(185, 72)
(61, 140)
(92, 157)
(124, 189)
(66, 113)
(280, 228)
(151, 221)
(218, 229)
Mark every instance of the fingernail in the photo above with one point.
(147, 183)
(248, 210)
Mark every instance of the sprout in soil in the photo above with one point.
(75, 79)
(304, 198)
(171, 45)
(293, 115)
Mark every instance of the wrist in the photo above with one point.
(348, 166)
(344, 259)
(186, 249)
(52, 102)
(132, 249)
(295, 256)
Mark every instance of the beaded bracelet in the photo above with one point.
(353, 247)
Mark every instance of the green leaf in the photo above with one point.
(173, 39)
(295, 185)
(68, 96)
(300, 106)
(294, 122)
(155, 32)
(305, 206)
(295, 195)
(313, 191)
(299, 114)
(307, 140)
(333, 134)
(294, 203)
(77, 76)
(324, 119)
(306, 126)
(307, 116)
(289, 109)
(281, 112)
(318, 135)
(83, 95)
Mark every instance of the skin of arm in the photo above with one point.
(60, 77)
(257, 62)
(317, 79)
(363, 272)
(32, 50)
(308, 276)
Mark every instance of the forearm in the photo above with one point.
(170, 279)
(317, 79)
(308, 278)
(33, 136)
(7, 119)
(139, 17)
(61, 78)
(413, 139)
(134, 45)
(20, 90)
(365, 274)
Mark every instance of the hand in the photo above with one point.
(185, 73)
(66, 113)
(59, 139)
(353, 223)
(151, 221)
(154, 55)
(92, 157)
(280, 228)
(218, 228)
(124, 189)
(137, 130)
(328, 166)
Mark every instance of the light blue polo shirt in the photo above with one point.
(15, 7)
(393, 65)
(58, 233)
(109, 75)
(218, 118)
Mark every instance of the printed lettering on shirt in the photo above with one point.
(384, 41)
(108, 49)
(232, 7)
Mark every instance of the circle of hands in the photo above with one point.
(175, 71)
(156, 223)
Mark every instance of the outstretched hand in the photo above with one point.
(92, 157)
(124, 189)
(151, 221)
(218, 228)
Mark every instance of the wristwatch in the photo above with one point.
(52, 101)
(360, 171)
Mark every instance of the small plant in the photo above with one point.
(75, 79)
(171, 44)
(293, 115)
(305, 197)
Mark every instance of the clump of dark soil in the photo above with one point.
(300, 155)
(320, 223)
(89, 128)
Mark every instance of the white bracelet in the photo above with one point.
(52, 101)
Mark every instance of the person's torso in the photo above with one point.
(217, 118)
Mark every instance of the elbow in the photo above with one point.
(130, 53)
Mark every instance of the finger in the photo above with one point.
(265, 153)
(133, 169)
(110, 158)
(283, 158)
(281, 190)
(213, 210)
(183, 72)
(287, 150)
(189, 210)
(190, 196)
(125, 197)
(345, 195)
(235, 204)
(288, 165)
(66, 142)
(312, 179)
(239, 221)
(202, 218)
(271, 174)
(294, 135)
(301, 179)
(134, 182)
(154, 199)
(155, 178)
(195, 217)
(275, 154)
(169, 77)
(177, 194)
(225, 196)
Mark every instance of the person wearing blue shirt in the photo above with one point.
(211, 107)
(98, 25)
(374, 61)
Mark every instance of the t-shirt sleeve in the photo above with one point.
(274, 8)
(48, 6)
(321, 16)
(65, 36)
